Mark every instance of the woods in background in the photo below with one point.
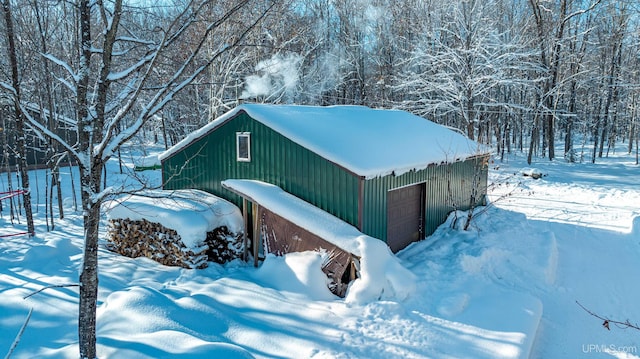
(517, 74)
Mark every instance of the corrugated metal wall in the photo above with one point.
(448, 187)
(274, 159)
(278, 160)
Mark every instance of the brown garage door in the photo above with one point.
(405, 215)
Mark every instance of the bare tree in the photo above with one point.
(577, 52)
(611, 43)
(455, 70)
(14, 89)
(551, 24)
(120, 79)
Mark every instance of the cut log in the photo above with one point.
(153, 240)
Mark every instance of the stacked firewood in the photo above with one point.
(224, 246)
(153, 240)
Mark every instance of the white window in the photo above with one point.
(243, 146)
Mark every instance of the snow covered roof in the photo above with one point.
(368, 142)
(192, 213)
(380, 273)
(64, 121)
(294, 209)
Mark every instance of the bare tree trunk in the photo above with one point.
(50, 200)
(605, 115)
(612, 85)
(59, 192)
(637, 140)
(551, 60)
(91, 177)
(633, 125)
(89, 184)
(21, 139)
(551, 66)
(54, 162)
(613, 133)
(73, 183)
(568, 137)
(596, 132)
(535, 137)
(89, 273)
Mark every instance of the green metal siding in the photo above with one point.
(274, 159)
(448, 187)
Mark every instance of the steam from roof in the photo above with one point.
(276, 76)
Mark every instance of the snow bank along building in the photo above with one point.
(390, 174)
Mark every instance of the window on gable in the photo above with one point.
(243, 146)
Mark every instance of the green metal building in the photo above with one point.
(393, 175)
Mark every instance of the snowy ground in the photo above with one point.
(506, 288)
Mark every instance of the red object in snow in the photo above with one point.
(14, 234)
(7, 195)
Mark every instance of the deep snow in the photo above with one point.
(507, 286)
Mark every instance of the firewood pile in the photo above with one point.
(224, 246)
(142, 238)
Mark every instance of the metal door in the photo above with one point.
(405, 216)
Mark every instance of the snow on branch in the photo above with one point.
(64, 65)
(581, 11)
(9, 88)
(112, 141)
(132, 69)
(43, 130)
(135, 40)
(182, 26)
(102, 195)
(106, 148)
(122, 95)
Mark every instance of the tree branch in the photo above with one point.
(49, 287)
(606, 321)
(19, 335)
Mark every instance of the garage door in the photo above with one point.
(405, 216)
